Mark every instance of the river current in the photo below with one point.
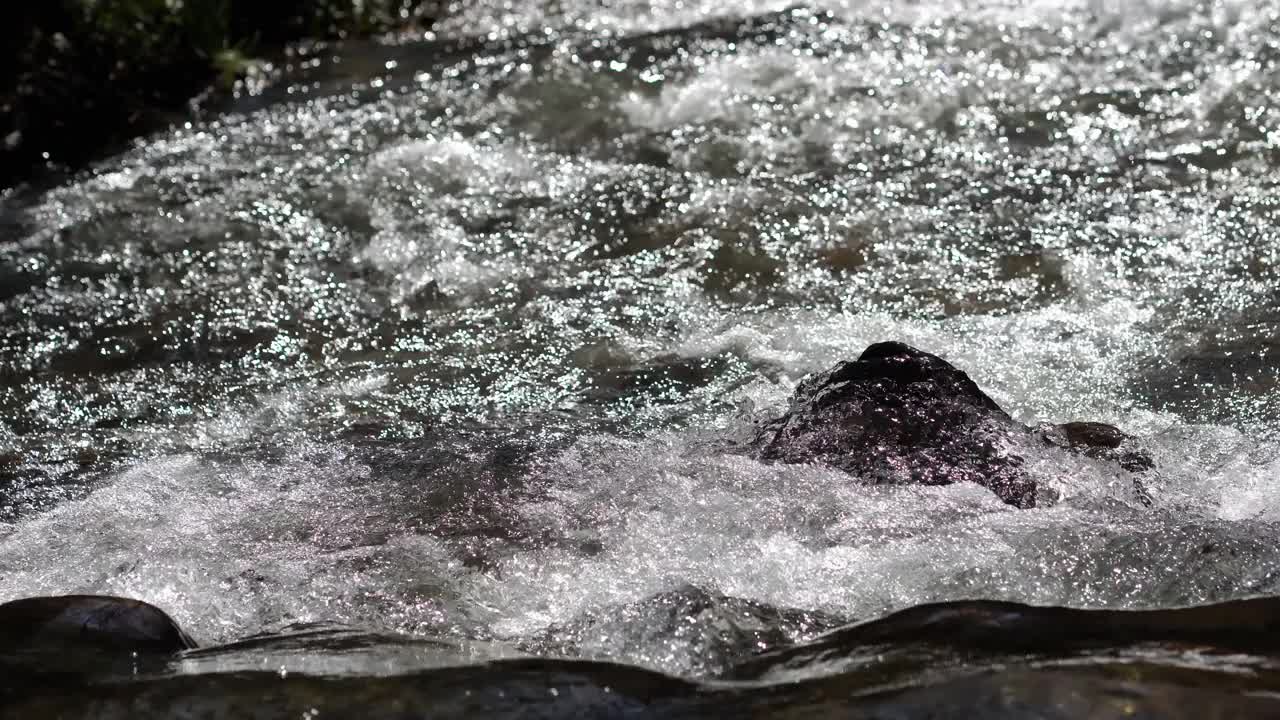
(454, 336)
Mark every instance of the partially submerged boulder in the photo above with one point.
(711, 631)
(64, 642)
(927, 642)
(948, 660)
(901, 415)
(72, 622)
(1096, 440)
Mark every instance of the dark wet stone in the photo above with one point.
(900, 415)
(1123, 691)
(508, 689)
(928, 641)
(71, 622)
(544, 688)
(950, 660)
(62, 643)
(702, 633)
(1097, 440)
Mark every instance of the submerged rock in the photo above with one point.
(687, 630)
(901, 415)
(932, 642)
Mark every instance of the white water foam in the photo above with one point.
(230, 549)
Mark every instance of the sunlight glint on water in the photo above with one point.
(464, 351)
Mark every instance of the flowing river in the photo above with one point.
(438, 351)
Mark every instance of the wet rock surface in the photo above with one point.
(72, 639)
(934, 640)
(559, 689)
(68, 621)
(696, 628)
(900, 415)
(1097, 440)
(948, 660)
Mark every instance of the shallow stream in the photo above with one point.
(456, 338)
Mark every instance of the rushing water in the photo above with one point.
(453, 337)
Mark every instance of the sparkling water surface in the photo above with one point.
(459, 336)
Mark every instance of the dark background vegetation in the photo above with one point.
(78, 77)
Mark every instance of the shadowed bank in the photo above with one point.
(80, 77)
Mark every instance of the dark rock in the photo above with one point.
(898, 676)
(63, 643)
(901, 415)
(510, 689)
(72, 622)
(949, 660)
(686, 630)
(1096, 440)
(932, 640)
